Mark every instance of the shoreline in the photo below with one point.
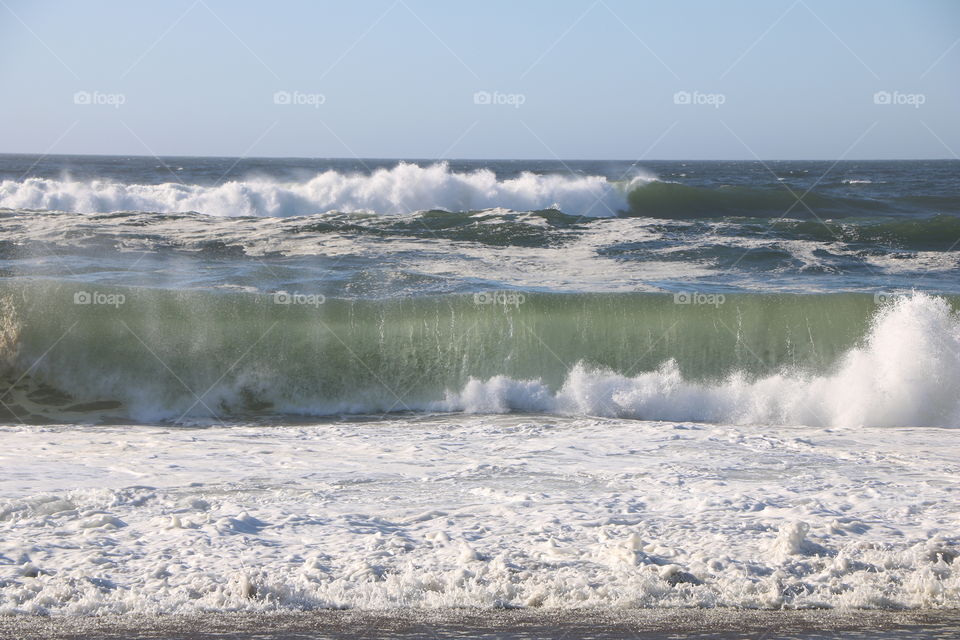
(497, 623)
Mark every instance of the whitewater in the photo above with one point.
(404, 188)
(476, 511)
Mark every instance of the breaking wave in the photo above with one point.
(905, 373)
(404, 188)
(407, 188)
(148, 355)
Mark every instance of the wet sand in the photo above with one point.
(500, 624)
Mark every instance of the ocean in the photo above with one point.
(238, 384)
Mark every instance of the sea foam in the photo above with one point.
(486, 512)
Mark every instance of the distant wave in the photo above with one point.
(402, 189)
(407, 188)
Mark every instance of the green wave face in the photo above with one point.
(679, 201)
(159, 355)
(671, 200)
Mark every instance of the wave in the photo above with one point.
(404, 188)
(146, 355)
(408, 188)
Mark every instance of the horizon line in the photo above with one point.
(477, 159)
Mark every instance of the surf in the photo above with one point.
(408, 187)
(159, 355)
(404, 188)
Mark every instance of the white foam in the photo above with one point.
(404, 188)
(479, 511)
(906, 373)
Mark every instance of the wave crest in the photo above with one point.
(404, 188)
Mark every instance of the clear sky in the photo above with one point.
(611, 79)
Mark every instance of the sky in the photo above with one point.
(577, 79)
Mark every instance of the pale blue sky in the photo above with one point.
(597, 79)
